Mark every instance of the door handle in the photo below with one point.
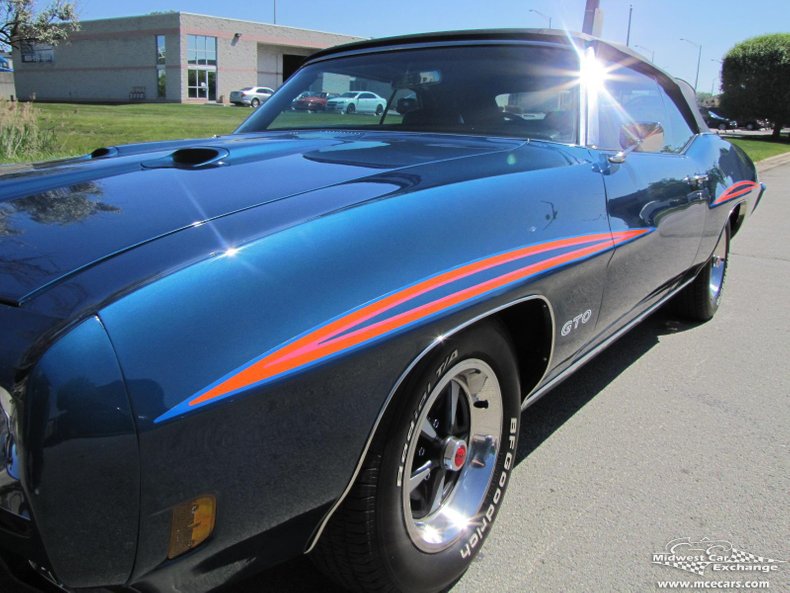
(697, 181)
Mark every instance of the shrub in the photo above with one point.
(756, 80)
(21, 136)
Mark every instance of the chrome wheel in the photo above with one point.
(700, 300)
(452, 460)
(435, 476)
(718, 265)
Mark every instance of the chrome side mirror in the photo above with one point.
(642, 136)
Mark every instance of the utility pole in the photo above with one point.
(275, 11)
(628, 34)
(593, 18)
(699, 58)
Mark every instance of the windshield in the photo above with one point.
(516, 90)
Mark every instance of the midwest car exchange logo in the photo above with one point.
(718, 555)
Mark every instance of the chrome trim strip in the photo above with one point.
(587, 103)
(759, 196)
(544, 389)
(314, 539)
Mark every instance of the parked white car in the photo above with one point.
(251, 96)
(357, 102)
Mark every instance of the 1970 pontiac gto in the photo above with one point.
(316, 334)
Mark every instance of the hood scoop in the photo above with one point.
(197, 157)
(104, 152)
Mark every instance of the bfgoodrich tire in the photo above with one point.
(700, 300)
(434, 479)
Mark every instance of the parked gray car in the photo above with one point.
(251, 96)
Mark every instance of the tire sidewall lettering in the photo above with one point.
(426, 391)
(487, 518)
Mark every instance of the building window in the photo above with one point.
(160, 50)
(38, 52)
(202, 71)
(201, 50)
(161, 71)
(161, 82)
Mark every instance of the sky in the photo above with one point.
(657, 26)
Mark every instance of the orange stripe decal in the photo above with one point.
(736, 190)
(353, 329)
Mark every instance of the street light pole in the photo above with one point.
(545, 16)
(652, 52)
(274, 2)
(628, 34)
(699, 58)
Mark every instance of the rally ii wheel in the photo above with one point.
(700, 300)
(436, 473)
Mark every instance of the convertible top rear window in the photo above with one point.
(497, 90)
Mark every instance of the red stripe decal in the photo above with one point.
(736, 190)
(345, 332)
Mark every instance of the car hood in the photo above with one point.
(59, 218)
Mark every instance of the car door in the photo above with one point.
(657, 187)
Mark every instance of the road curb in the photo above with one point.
(772, 162)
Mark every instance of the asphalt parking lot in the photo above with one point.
(675, 431)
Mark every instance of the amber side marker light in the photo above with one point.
(191, 524)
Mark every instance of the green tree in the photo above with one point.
(21, 23)
(756, 80)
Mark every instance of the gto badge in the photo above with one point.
(574, 323)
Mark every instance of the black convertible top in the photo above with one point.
(546, 35)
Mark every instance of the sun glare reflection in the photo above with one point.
(432, 535)
(592, 73)
(457, 520)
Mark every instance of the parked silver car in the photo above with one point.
(251, 96)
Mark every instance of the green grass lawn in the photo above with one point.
(759, 148)
(81, 128)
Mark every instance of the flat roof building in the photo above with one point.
(164, 57)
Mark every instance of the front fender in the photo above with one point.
(79, 455)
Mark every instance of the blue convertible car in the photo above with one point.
(316, 335)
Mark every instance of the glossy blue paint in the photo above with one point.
(81, 472)
(113, 203)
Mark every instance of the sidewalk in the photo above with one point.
(774, 161)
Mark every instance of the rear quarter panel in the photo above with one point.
(732, 182)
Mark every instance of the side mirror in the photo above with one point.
(647, 136)
(641, 136)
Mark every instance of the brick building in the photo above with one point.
(174, 57)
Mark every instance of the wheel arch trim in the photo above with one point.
(405, 374)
